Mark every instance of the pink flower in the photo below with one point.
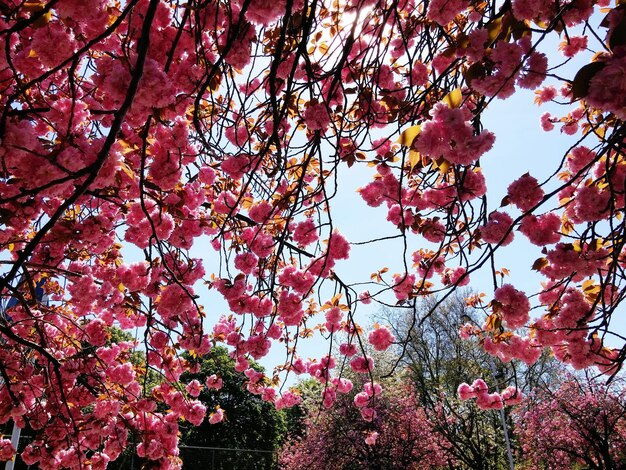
(196, 413)
(381, 338)
(579, 158)
(525, 192)
(290, 308)
(259, 242)
(455, 277)
(489, 401)
(545, 94)
(236, 166)
(329, 396)
(419, 74)
(216, 417)
(305, 232)
(269, 394)
(362, 365)
(607, 90)
(514, 306)
(471, 185)
(573, 45)
(443, 12)
(342, 385)
(512, 396)
(466, 331)
(122, 374)
(592, 203)
(253, 375)
(194, 388)
(370, 440)
(338, 246)
(214, 382)
(465, 392)
(534, 71)
(547, 122)
(403, 285)
(316, 117)
(7, 451)
(361, 399)
(96, 331)
(372, 390)
(246, 262)
(287, 400)
(495, 231)
(365, 297)
(542, 230)
(333, 318)
(433, 230)
(479, 386)
(450, 135)
(261, 211)
(368, 414)
(347, 349)
(373, 193)
(299, 281)
(266, 13)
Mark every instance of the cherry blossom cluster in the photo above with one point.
(489, 401)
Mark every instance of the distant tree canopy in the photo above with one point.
(581, 424)
(397, 436)
(440, 360)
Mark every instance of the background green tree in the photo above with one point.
(251, 424)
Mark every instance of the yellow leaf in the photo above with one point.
(567, 226)
(32, 53)
(596, 244)
(336, 298)
(591, 290)
(454, 98)
(408, 135)
(539, 264)
(493, 322)
(463, 40)
(590, 286)
(126, 148)
(493, 29)
(34, 8)
(126, 169)
(414, 158)
(442, 164)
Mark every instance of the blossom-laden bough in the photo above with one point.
(155, 124)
